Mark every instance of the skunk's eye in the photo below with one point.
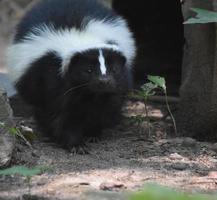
(89, 70)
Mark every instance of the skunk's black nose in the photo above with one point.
(105, 83)
(105, 79)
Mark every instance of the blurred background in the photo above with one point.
(10, 13)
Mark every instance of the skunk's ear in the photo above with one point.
(72, 64)
(117, 59)
(121, 59)
(75, 59)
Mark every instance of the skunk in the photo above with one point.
(71, 61)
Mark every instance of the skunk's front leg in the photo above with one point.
(72, 140)
(69, 134)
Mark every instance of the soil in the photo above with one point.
(124, 159)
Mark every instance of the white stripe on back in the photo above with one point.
(102, 62)
(66, 42)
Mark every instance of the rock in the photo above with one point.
(214, 147)
(176, 156)
(179, 166)
(42, 181)
(111, 186)
(6, 149)
(213, 175)
(189, 142)
(177, 140)
(7, 140)
(5, 109)
(7, 85)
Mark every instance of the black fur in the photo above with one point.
(63, 14)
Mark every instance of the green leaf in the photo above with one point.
(137, 119)
(148, 87)
(13, 131)
(203, 16)
(147, 90)
(154, 192)
(2, 124)
(23, 171)
(157, 80)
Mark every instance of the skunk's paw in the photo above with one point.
(81, 149)
(92, 139)
(72, 140)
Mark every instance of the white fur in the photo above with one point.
(102, 62)
(67, 42)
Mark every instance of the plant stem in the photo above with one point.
(29, 185)
(170, 112)
(147, 117)
(19, 134)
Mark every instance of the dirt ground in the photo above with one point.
(123, 160)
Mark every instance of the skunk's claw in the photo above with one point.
(92, 140)
(81, 149)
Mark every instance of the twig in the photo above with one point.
(170, 112)
(19, 134)
(147, 117)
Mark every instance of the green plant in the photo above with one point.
(22, 171)
(16, 132)
(161, 83)
(154, 192)
(202, 17)
(28, 173)
(137, 120)
(147, 90)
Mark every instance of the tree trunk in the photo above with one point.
(197, 115)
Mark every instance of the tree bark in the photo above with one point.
(197, 116)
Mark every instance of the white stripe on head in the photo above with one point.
(66, 42)
(102, 62)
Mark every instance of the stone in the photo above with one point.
(176, 156)
(214, 147)
(7, 85)
(179, 166)
(7, 140)
(111, 186)
(189, 142)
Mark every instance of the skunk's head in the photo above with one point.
(98, 70)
